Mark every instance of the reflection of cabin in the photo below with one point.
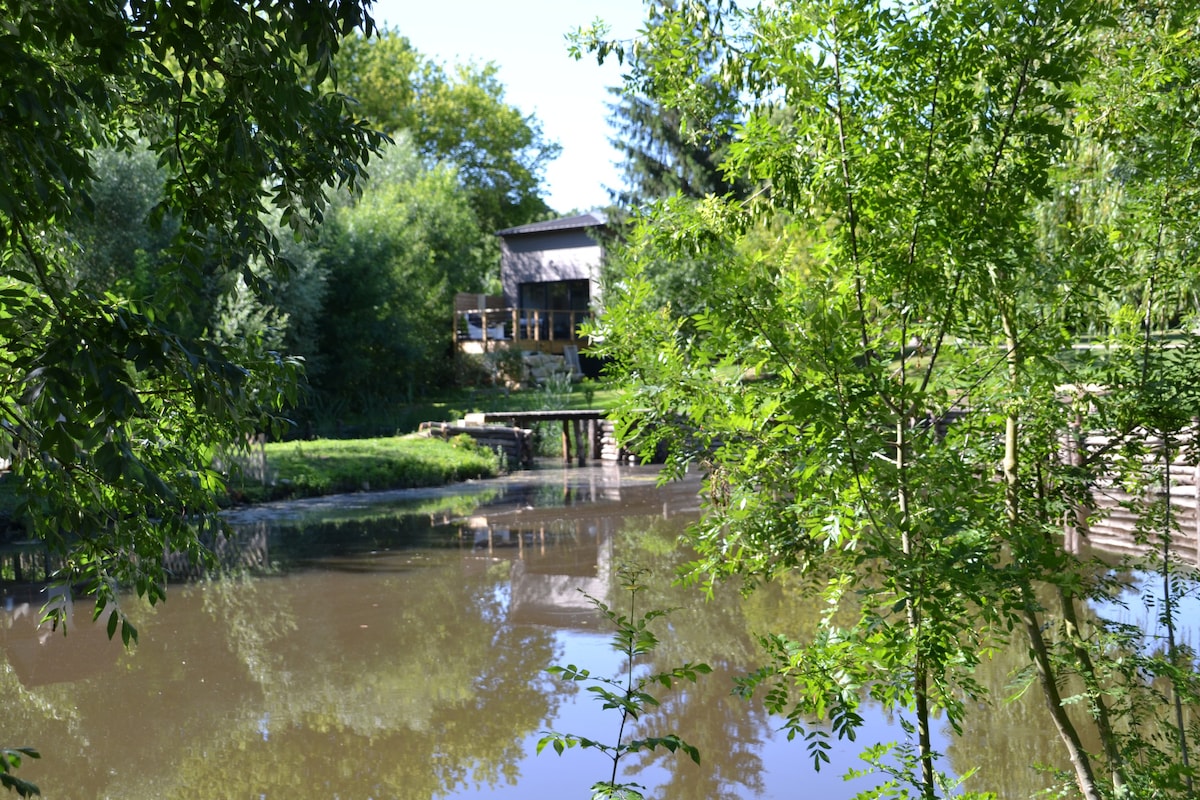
(41, 654)
(550, 273)
(556, 563)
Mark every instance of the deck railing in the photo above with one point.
(520, 325)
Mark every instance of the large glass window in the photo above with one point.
(553, 307)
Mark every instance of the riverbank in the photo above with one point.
(302, 469)
(323, 466)
(298, 469)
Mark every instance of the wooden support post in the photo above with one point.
(580, 444)
(593, 429)
(566, 441)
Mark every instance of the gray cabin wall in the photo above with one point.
(550, 256)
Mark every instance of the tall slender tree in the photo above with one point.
(662, 158)
(874, 380)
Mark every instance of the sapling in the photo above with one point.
(625, 694)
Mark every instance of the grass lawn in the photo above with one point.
(400, 418)
(329, 466)
(388, 461)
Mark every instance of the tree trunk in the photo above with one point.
(1084, 776)
(920, 669)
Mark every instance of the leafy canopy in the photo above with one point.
(114, 415)
(455, 116)
(876, 372)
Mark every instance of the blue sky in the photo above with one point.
(525, 38)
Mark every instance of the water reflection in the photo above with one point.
(39, 656)
(378, 652)
(391, 647)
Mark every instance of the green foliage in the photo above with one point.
(458, 117)
(627, 695)
(876, 371)
(10, 760)
(668, 150)
(122, 252)
(588, 386)
(508, 365)
(662, 158)
(396, 255)
(114, 398)
(117, 249)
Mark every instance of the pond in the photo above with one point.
(395, 646)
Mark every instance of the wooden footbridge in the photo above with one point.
(586, 433)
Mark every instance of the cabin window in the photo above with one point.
(559, 305)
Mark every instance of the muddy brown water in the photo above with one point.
(394, 645)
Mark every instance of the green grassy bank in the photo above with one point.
(329, 466)
(325, 466)
(347, 463)
(342, 459)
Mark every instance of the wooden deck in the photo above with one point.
(483, 324)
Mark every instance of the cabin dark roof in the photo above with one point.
(590, 220)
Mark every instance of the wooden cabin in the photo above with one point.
(550, 274)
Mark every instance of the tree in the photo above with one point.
(661, 158)
(673, 155)
(397, 255)
(673, 149)
(113, 413)
(458, 117)
(117, 249)
(120, 251)
(893, 275)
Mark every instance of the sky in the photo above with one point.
(525, 38)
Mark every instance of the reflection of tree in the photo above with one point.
(274, 686)
(727, 733)
(391, 682)
(410, 666)
(716, 722)
(254, 620)
(1004, 739)
(1007, 738)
